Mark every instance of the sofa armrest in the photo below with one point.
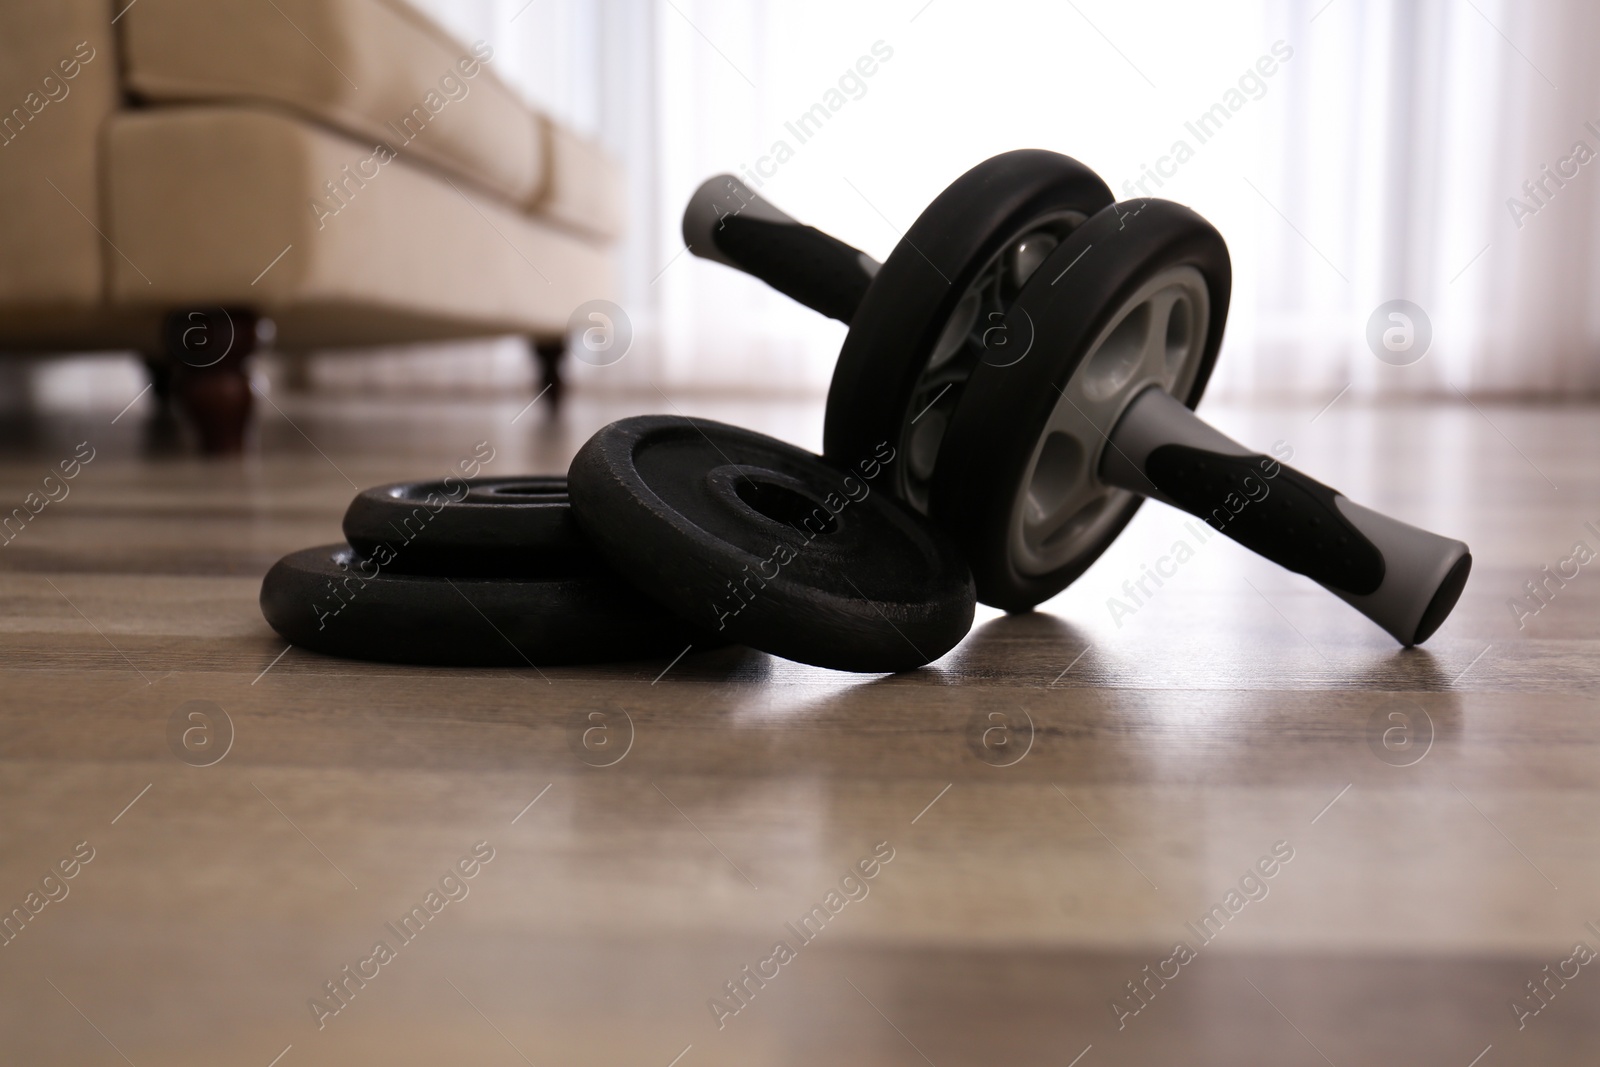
(57, 85)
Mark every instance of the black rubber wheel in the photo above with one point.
(919, 330)
(461, 527)
(335, 601)
(769, 546)
(980, 489)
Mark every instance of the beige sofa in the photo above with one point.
(176, 174)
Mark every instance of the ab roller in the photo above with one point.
(1018, 377)
(1042, 383)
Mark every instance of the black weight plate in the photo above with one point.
(769, 546)
(470, 526)
(335, 601)
(882, 383)
(1008, 401)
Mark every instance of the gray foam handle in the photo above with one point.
(720, 198)
(731, 223)
(1424, 576)
(1403, 578)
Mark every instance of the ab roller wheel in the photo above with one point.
(1136, 299)
(917, 321)
(1059, 375)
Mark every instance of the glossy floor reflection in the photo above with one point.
(1048, 812)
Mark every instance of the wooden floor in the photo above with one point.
(1065, 796)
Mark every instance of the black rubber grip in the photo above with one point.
(802, 262)
(1272, 510)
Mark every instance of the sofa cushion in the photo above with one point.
(375, 69)
(230, 206)
(58, 82)
(583, 184)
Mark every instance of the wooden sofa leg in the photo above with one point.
(207, 350)
(550, 355)
(162, 434)
(159, 369)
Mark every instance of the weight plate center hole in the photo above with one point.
(528, 492)
(785, 505)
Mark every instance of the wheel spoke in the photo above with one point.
(1153, 359)
(1044, 528)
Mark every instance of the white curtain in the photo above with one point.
(1407, 131)
(1374, 162)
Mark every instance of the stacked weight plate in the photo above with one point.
(483, 572)
(671, 532)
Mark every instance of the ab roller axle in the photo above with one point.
(1018, 377)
